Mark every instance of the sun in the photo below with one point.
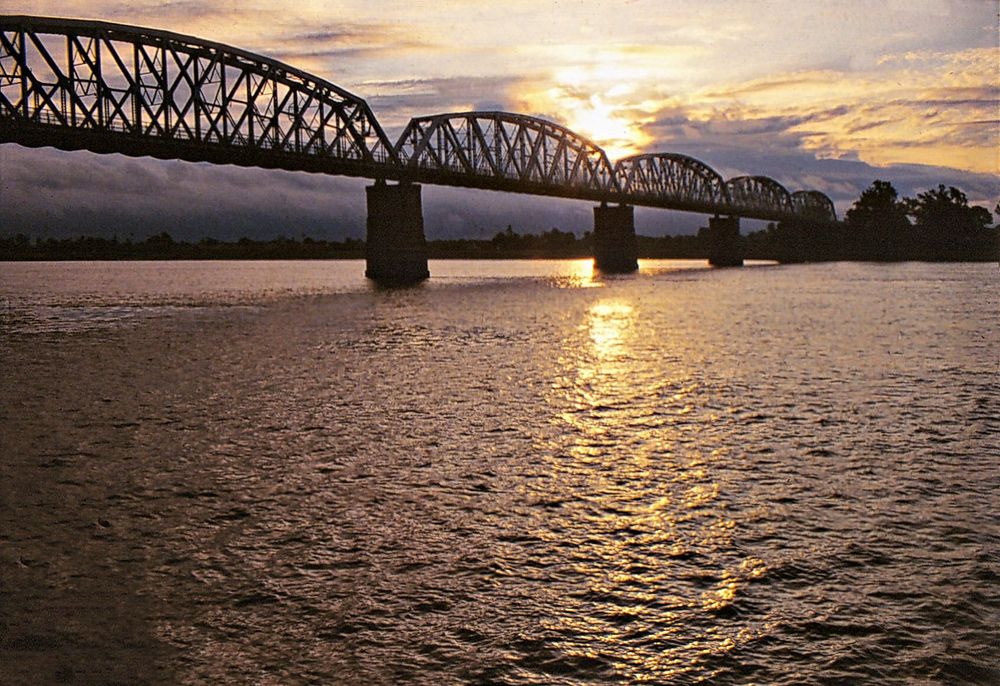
(608, 126)
(596, 104)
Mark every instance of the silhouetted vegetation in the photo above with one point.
(509, 244)
(163, 247)
(879, 228)
(947, 228)
(937, 225)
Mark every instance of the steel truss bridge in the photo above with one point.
(111, 88)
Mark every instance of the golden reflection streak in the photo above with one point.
(639, 526)
(610, 323)
(725, 592)
(581, 274)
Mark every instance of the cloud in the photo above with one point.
(46, 192)
(785, 149)
(345, 41)
(52, 193)
(890, 115)
(827, 96)
(396, 101)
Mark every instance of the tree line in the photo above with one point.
(938, 224)
(507, 244)
(163, 247)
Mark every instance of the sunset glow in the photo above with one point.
(824, 97)
(474, 342)
(612, 127)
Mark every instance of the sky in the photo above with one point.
(820, 95)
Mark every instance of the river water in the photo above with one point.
(516, 473)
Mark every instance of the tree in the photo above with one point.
(947, 210)
(878, 204)
(877, 225)
(947, 226)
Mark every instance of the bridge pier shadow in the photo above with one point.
(725, 246)
(615, 249)
(395, 246)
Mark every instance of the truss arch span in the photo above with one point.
(758, 196)
(505, 151)
(813, 205)
(671, 178)
(109, 87)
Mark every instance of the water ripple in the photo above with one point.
(769, 476)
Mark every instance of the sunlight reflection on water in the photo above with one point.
(727, 476)
(73, 296)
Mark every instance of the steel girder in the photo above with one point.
(813, 205)
(505, 151)
(671, 179)
(114, 88)
(758, 196)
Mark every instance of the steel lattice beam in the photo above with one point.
(813, 205)
(113, 88)
(671, 180)
(759, 196)
(505, 151)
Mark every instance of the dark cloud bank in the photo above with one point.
(49, 193)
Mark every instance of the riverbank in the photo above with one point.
(772, 244)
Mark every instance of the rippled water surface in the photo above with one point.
(517, 473)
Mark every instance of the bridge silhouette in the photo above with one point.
(112, 88)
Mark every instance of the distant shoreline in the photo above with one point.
(484, 258)
(552, 245)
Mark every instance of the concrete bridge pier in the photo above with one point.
(725, 247)
(615, 250)
(395, 247)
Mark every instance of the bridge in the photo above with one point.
(112, 88)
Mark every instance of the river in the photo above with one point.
(515, 473)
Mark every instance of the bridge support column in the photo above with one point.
(395, 247)
(615, 250)
(725, 247)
